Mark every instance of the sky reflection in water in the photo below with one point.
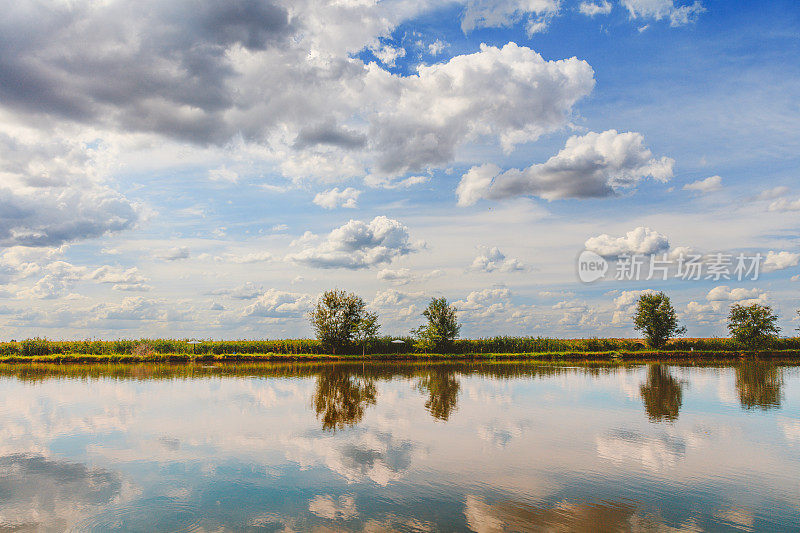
(409, 447)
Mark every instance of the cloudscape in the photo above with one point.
(207, 168)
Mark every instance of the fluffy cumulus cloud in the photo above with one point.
(53, 192)
(357, 244)
(678, 15)
(428, 115)
(589, 166)
(641, 241)
(720, 296)
(780, 260)
(59, 277)
(492, 259)
(274, 303)
(283, 76)
(712, 184)
(335, 198)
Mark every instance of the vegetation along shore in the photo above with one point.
(347, 331)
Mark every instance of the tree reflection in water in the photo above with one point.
(662, 394)
(341, 397)
(442, 387)
(758, 384)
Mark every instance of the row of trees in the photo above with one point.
(753, 326)
(341, 322)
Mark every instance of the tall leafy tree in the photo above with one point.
(339, 317)
(754, 326)
(441, 328)
(656, 319)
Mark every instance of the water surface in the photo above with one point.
(400, 447)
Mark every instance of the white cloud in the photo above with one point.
(60, 276)
(712, 184)
(491, 259)
(245, 258)
(404, 276)
(485, 303)
(641, 241)
(223, 174)
(139, 309)
(400, 276)
(279, 304)
(723, 294)
(780, 260)
(497, 13)
(783, 204)
(773, 193)
(425, 117)
(591, 8)
(175, 254)
(358, 244)
(335, 198)
(436, 47)
(388, 55)
(53, 192)
(664, 9)
(589, 166)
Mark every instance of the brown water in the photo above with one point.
(406, 447)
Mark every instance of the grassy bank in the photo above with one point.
(305, 348)
(615, 355)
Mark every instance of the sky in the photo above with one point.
(205, 169)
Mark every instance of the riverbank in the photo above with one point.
(639, 355)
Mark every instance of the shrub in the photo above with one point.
(753, 326)
(655, 318)
(142, 349)
(338, 317)
(441, 329)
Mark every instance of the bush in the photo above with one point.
(753, 326)
(442, 327)
(655, 318)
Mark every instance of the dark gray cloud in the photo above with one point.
(329, 133)
(147, 66)
(54, 217)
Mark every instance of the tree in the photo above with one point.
(753, 325)
(655, 318)
(442, 327)
(367, 330)
(338, 317)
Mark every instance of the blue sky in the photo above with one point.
(206, 170)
